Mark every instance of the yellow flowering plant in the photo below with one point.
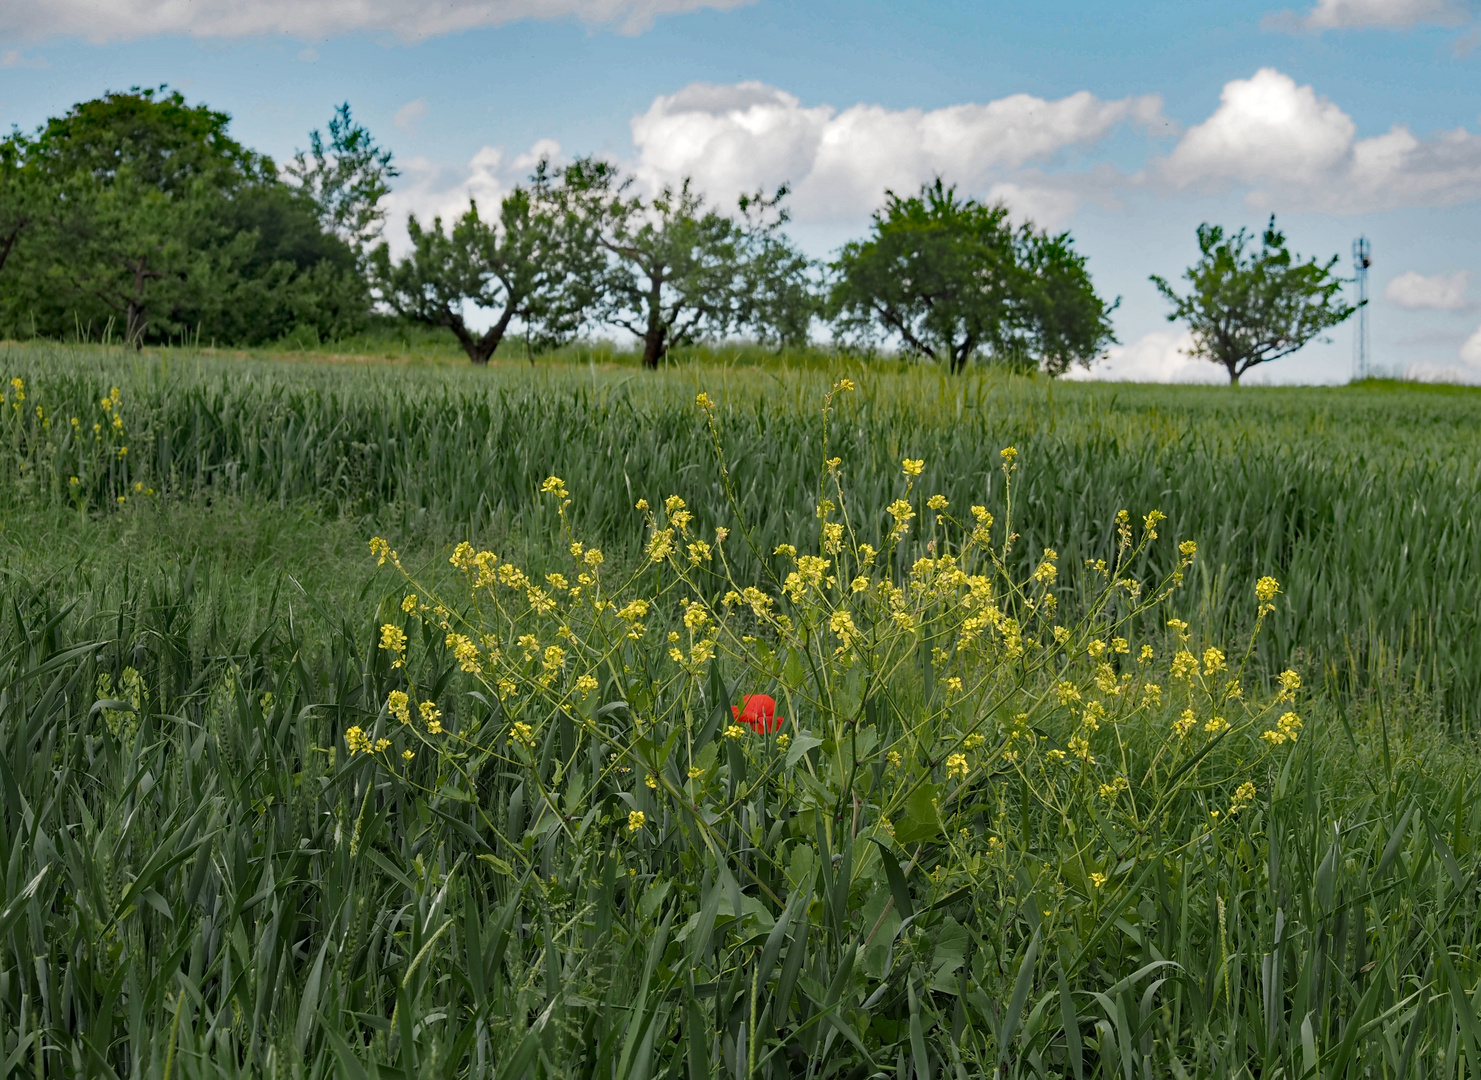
(923, 691)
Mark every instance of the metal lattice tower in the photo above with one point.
(1362, 258)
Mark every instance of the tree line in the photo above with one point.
(137, 215)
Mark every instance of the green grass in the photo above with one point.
(199, 882)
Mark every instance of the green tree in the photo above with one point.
(1249, 307)
(519, 268)
(148, 216)
(347, 177)
(951, 279)
(673, 272)
(1060, 319)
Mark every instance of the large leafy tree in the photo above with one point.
(951, 279)
(1247, 306)
(145, 214)
(521, 267)
(673, 267)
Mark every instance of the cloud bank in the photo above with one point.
(101, 21)
(749, 135)
(1300, 151)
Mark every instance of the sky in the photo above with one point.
(1127, 125)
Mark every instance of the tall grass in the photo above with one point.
(1364, 500)
(201, 879)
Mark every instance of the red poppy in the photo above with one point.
(758, 712)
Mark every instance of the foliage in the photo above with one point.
(1392, 593)
(147, 220)
(951, 279)
(524, 267)
(214, 867)
(1249, 309)
(346, 179)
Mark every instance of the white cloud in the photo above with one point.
(411, 20)
(1438, 292)
(1300, 151)
(1161, 356)
(407, 116)
(1470, 352)
(1347, 14)
(749, 135)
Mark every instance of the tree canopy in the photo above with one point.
(1247, 307)
(138, 211)
(951, 279)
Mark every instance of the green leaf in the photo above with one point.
(922, 818)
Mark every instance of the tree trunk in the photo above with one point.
(479, 349)
(655, 344)
(655, 340)
(136, 317)
(9, 242)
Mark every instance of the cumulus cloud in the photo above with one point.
(1163, 356)
(1298, 150)
(1470, 352)
(411, 20)
(406, 117)
(749, 135)
(1437, 292)
(1349, 14)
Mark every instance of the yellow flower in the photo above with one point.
(554, 657)
(1096, 649)
(894, 759)
(1213, 660)
(641, 504)
(937, 502)
(393, 640)
(1061, 634)
(1243, 796)
(409, 603)
(382, 745)
(1114, 788)
(695, 772)
(846, 385)
(554, 485)
(734, 731)
(673, 504)
(956, 765)
(357, 740)
(783, 741)
(1009, 454)
(1146, 654)
(430, 714)
(407, 755)
(1188, 549)
(651, 781)
(703, 401)
(1286, 729)
(1217, 726)
(585, 685)
(913, 466)
(954, 684)
(1265, 589)
(661, 545)
(1184, 723)
(636, 819)
(522, 732)
(399, 706)
(1184, 664)
(1098, 879)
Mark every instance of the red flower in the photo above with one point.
(758, 712)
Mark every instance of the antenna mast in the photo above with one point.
(1362, 258)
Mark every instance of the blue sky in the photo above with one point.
(1126, 125)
